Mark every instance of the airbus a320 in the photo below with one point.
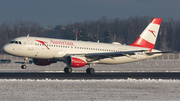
(45, 51)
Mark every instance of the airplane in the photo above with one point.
(45, 51)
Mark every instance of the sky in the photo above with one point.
(54, 12)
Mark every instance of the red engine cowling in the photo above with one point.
(75, 61)
(42, 62)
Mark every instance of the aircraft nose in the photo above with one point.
(5, 48)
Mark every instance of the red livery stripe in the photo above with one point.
(140, 42)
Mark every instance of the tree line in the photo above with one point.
(124, 31)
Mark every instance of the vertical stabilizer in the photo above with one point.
(148, 37)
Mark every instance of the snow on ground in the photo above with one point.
(117, 89)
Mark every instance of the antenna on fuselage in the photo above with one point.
(28, 35)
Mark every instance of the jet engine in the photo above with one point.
(75, 61)
(43, 62)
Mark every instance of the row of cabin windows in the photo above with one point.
(85, 48)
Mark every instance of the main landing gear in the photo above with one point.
(68, 70)
(89, 70)
(24, 66)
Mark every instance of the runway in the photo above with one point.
(124, 75)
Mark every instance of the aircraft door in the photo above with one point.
(30, 44)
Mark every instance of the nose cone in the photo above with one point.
(6, 49)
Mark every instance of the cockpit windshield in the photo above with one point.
(16, 42)
(12, 42)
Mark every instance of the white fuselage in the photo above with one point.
(33, 47)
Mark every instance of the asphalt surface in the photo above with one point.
(124, 75)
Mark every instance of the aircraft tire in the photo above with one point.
(90, 70)
(23, 66)
(68, 70)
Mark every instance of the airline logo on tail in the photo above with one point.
(152, 32)
(146, 39)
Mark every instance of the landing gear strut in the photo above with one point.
(68, 70)
(24, 66)
(90, 70)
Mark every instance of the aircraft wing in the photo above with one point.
(98, 56)
(161, 52)
(114, 53)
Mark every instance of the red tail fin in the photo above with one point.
(148, 37)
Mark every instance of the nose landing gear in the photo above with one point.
(24, 66)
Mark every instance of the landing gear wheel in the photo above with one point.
(23, 66)
(90, 70)
(68, 70)
(25, 60)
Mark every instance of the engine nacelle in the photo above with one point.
(42, 62)
(75, 61)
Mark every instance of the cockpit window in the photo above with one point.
(11, 41)
(16, 42)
